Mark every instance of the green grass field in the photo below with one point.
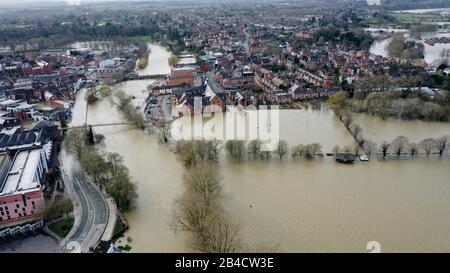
(62, 227)
(144, 38)
(413, 18)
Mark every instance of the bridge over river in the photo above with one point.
(147, 77)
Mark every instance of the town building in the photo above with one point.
(22, 174)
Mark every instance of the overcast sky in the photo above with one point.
(61, 1)
(34, 1)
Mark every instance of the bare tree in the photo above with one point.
(347, 149)
(121, 100)
(220, 237)
(91, 95)
(384, 147)
(347, 120)
(312, 150)
(235, 148)
(399, 145)
(316, 148)
(282, 149)
(442, 144)
(413, 149)
(203, 180)
(369, 147)
(297, 151)
(254, 147)
(193, 151)
(336, 150)
(428, 145)
(199, 212)
(213, 149)
(189, 215)
(124, 105)
(356, 131)
(357, 149)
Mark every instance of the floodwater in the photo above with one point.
(291, 206)
(417, 11)
(431, 53)
(380, 47)
(379, 130)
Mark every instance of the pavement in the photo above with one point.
(162, 109)
(91, 212)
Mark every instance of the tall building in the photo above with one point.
(22, 173)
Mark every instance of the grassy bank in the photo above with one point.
(173, 60)
(62, 227)
(143, 61)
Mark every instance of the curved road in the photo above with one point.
(94, 216)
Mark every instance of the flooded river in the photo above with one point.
(432, 54)
(291, 206)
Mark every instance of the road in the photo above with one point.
(246, 41)
(94, 216)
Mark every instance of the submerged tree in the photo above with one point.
(413, 149)
(428, 145)
(236, 148)
(254, 148)
(199, 212)
(369, 147)
(384, 147)
(442, 144)
(399, 145)
(282, 149)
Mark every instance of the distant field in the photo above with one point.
(415, 18)
(144, 38)
(14, 26)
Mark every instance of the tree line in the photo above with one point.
(124, 105)
(193, 151)
(107, 170)
(399, 146)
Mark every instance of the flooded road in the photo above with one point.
(292, 206)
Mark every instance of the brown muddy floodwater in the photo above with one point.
(299, 206)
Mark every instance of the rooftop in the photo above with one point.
(20, 176)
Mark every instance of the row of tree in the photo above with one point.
(124, 104)
(107, 170)
(254, 149)
(194, 151)
(399, 146)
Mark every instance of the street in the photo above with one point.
(94, 216)
(162, 109)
